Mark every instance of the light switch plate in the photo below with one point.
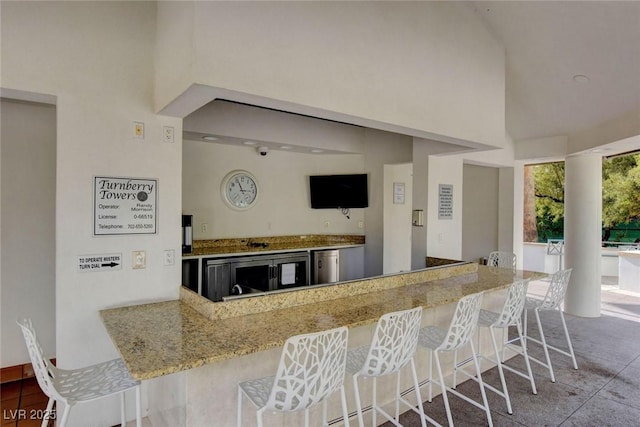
(169, 257)
(167, 134)
(138, 259)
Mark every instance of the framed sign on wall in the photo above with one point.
(398, 193)
(445, 201)
(124, 205)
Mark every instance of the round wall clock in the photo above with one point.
(239, 190)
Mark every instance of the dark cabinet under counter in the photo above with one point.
(251, 274)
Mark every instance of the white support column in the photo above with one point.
(583, 233)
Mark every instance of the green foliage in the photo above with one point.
(620, 197)
(549, 188)
(620, 190)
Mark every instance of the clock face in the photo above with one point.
(239, 190)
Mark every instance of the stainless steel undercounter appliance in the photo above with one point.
(251, 274)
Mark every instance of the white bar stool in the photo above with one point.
(511, 315)
(393, 346)
(461, 329)
(311, 368)
(502, 259)
(78, 385)
(552, 301)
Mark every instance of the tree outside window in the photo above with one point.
(544, 200)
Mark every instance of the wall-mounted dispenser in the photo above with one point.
(187, 233)
(417, 218)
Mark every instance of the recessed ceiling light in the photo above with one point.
(580, 78)
(249, 143)
(209, 138)
(315, 150)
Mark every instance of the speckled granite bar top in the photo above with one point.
(162, 338)
(250, 245)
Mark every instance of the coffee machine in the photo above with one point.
(187, 234)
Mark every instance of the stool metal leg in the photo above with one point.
(239, 414)
(566, 334)
(443, 387)
(482, 391)
(416, 386)
(48, 412)
(544, 346)
(505, 391)
(358, 404)
(526, 358)
(65, 415)
(345, 410)
(138, 408)
(123, 417)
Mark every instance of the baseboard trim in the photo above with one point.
(18, 372)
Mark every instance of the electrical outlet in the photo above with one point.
(169, 257)
(326, 224)
(167, 134)
(138, 130)
(204, 227)
(138, 259)
(360, 224)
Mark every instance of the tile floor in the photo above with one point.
(23, 404)
(604, 391)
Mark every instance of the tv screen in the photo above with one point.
(338, 191)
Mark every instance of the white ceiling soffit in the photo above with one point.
(198, 96)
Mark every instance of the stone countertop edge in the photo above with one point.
(629, 254)
(161, 338)
(318, 293)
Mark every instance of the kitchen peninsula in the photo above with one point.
(220, 268)
(194, 351)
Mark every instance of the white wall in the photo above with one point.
(518, 212)
(402, 65)
(479, 211)
(506, 197)
(381, 148)
(420, 201)
(97, 59)
(397, 219)
(28, 145)
(283, 206)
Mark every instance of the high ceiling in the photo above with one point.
(571, 66)
(549, 45)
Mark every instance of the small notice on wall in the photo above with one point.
(125, 206)
(445, 201)
(398, 193)
(288, 274)
(99, 262)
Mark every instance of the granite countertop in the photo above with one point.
(162, 338)
(273, 244)
(629, 254)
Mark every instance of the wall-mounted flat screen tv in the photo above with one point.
(339, 191)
